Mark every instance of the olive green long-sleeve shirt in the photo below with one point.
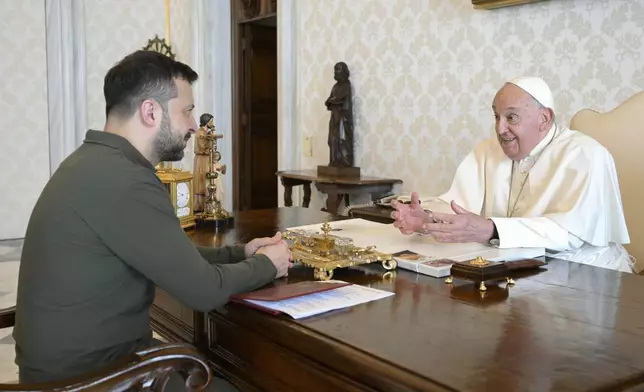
(101, 236)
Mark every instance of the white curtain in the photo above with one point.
(290, 141)
(212, 59)
(66, 78)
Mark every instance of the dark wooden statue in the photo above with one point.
(341, 123)
(251, 9)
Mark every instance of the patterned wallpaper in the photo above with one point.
(424, 73)
(23, 112)
(114, 30)
(106, 44)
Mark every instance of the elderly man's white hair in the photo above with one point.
(537, 88)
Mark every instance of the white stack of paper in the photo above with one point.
(389, 239)
(326, 301)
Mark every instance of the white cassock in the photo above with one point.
(570, 203)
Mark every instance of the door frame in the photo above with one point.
(212, 54)
(240, 47)
(237, 124)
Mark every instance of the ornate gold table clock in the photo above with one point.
(325, 253)
(479, 270)
(179, 185)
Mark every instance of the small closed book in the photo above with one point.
(309, 298)
(286, 291)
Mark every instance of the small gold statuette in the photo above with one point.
(325, 253)
(479, 261)
(209, 190)
(324, 243)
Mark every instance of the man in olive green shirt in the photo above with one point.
(103, 234)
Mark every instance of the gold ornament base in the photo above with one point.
(188, 223)
(214, 221)
(214, 215)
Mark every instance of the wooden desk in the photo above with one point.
(570, 327)
(335, 188)
(374, 213)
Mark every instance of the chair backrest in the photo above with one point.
(151, 367)
(621, 131)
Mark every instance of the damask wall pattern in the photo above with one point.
(24, 134)
(115, 29)
(424, 73)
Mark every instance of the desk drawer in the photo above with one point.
(271, 367)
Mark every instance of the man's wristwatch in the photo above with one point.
(495, 237)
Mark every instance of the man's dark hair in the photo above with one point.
(143, 75)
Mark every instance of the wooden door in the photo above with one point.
(257, 98)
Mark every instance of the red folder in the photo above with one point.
(284, 291)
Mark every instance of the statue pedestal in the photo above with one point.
(352, 172)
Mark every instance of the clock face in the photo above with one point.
(183, 194)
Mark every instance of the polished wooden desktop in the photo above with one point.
(568, 327)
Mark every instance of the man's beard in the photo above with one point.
(169, 145)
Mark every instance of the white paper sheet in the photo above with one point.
(389, 239)
(326, 301)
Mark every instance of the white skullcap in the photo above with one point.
(536, 87)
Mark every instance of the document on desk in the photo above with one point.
(388, 239)
(322, 302)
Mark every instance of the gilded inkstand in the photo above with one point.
(325, 253)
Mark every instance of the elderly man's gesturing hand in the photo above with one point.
(410, 218)
(464, 226)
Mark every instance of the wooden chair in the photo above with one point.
(621, 131)
(146, 370)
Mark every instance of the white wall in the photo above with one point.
(425, 73)
(24, 142)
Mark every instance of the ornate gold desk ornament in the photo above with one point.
(325, 253)
(479, 261)
(179, 184)
(480, 270)
(208, 173)
(162, 45)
